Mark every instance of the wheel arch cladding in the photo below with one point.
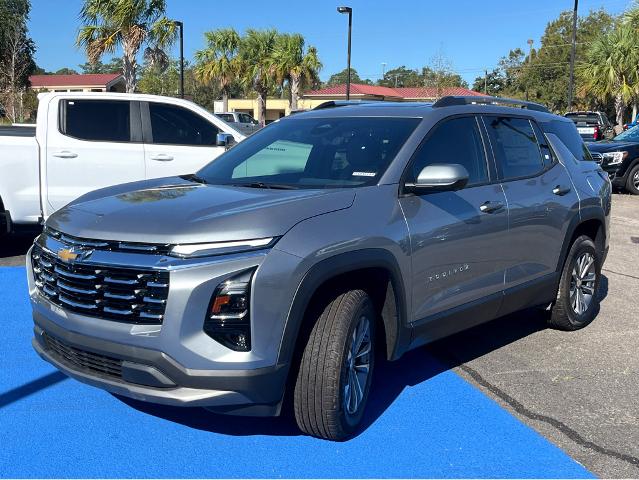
(590, 224)
(374, 270)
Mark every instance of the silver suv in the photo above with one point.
(322, 242)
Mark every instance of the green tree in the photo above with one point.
(610, 67)
(256, 65)
(340, 78)
(492, 83)
(129, 24)
(114, 66)
(546, 75)
(16, 56)
(65, 71)
(294, 64)
(219, 61)
(401, 77)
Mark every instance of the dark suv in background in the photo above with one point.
(592, 126)
(620, 158)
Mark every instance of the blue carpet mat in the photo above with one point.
(423, 421)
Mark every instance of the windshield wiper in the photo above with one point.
(274, 186)
(194, 178)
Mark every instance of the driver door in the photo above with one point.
(458, 239)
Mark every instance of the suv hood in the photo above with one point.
(175, 210)
(610, 146)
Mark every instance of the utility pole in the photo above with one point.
(383, 69)
(349, 11)
(486, 82)
(530, 44)
(571, 82)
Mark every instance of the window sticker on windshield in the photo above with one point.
(364, 174)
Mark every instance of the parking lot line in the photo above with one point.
(424, 420)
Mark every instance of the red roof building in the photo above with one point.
(361, 91)
(92, 82)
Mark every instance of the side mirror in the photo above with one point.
(225, 140)
(438, 178)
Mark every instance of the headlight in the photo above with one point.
(219, 248)
(228, 320)
(614, 158)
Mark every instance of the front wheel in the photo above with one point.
(577, 301)
(632, 184)
(335, 373)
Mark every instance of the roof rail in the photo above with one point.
(449, 101)
(343, 103)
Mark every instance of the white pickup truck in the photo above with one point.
(85, 141)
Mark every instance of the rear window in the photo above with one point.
(227, 117)
(570, 137)
(96, 120)
(590, 119)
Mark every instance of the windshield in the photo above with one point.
(630, 135)
(313, 153)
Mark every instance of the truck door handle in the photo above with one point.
(491, 207)
(64, 154)
(161, 157)
(560, 190)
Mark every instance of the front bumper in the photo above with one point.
(153, 376)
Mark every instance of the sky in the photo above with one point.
(471, 34)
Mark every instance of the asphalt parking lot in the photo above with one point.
(578, 390)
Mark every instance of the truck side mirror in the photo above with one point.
(225, 140)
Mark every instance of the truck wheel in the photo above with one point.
(632, 184)
(577, 300)
(335, 373)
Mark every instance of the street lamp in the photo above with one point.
(348, 10)
(181, 26)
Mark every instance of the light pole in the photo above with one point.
(383, 69)
(348, 10)
(571, 82)
(530, 44)
(181, 26)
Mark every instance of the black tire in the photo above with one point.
(564, 314)
(632, 181)
(320, 398)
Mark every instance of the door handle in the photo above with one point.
(491, 207)
(560, 190)
(161, 157)
(64, 154)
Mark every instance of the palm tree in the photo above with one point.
(256, 65)
(610, 67)
(219, 60)
(292, 64)
(109, 24)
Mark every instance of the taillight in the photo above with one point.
(597, 132)
(228, 319)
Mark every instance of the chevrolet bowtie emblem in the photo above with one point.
(67, 255)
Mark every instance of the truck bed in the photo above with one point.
(17, 131)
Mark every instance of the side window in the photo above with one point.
(86, 120)
(175, 125)
(515, 146)
(567, 132)
(546, 153)
(244, 118)
(455, 141)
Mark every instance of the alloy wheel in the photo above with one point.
(582, 283)
(357, 364)
(635, 179)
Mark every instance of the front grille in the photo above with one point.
(109, 245)
(83, 360)
(122, 294)
(597, 157)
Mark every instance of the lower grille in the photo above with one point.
(123, 294)
(83, 360)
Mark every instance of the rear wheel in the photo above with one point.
(335, 374)
(577, 301)
(632, 183)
